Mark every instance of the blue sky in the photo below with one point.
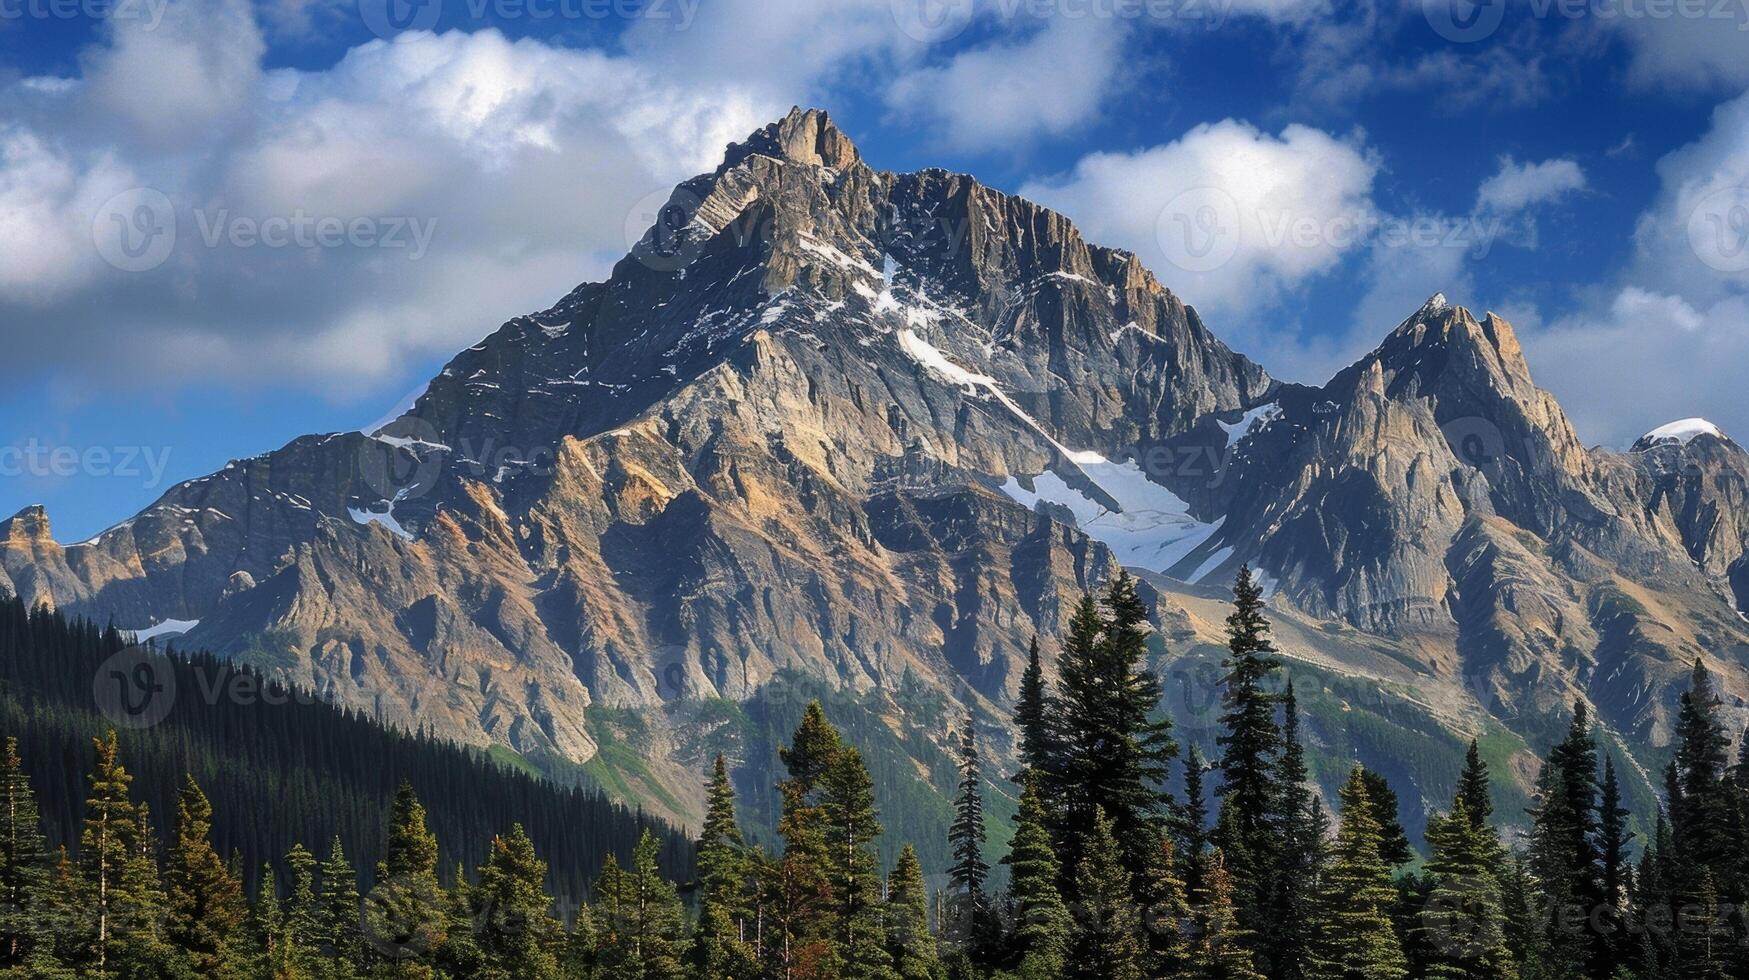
(353, 202)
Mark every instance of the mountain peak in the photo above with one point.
(806, 136)
(1679, 433)
(30, 524)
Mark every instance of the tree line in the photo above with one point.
(1244, 874)
(281, 766)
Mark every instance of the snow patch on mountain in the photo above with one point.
(169, 627)
(1256, 418)
(1681, 432)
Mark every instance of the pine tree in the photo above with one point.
(340, 940)
(639, 921)
(517, 935)
(909, 942)
(266, 929)
(970, 922)
(1394, 844)
(1523, 927)
(1032, 718)
(25, 870)
(1613, 946)
(1564, 857)
(405, 918)
(1114, 753)
(1251, 741)
(798, 884)
(1110, 945)
(1221, 950)
(1705, 866)
(1473, 786)
(851, 828)
(719, 950)
(1285, 941)
(302, 933)
(1463, 921)
(1042, 924)
(1352, 934)
(459, 954)
(140, 942)
(1166, 912)
(1193, 820)
(105, 846)
(206, 904)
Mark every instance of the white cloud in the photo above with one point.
(1228, 215)
(1017, 91)
(1520, 185)
(521, 159)
(1646, 359)
(1684, 51)
(174, 82)
(1670, 338)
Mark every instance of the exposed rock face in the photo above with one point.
(880, 429)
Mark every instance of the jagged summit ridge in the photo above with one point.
(880, 429)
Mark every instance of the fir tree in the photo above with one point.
(1193, 819)
(1032, 718)
(1473, 786)
(25, 869)
(719, 950)
(340, 939)
(1705, 866)
(1113, 753)
(851, 828)
(105, 846)
(1042, 924)
(1251, 742)
(1285, 941)
(798, 883)
(405, 916)
(303, 914)
(639, 921)
(517, 935)
(1463, 921)
(909, 942)
(968, 907)
(1394, 844)
(1352, 934)
(1221, 950)
(206, 904)
(1564, 855)
(1110, 944)
(141, 946)
(1166, 912)
(1613, 837)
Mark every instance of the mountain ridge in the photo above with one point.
(880, 429)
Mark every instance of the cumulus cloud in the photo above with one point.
(1016, 91)
(1519, 185)
(1227, 213)
(1682, 50)
(518, 162)
(1669, 339)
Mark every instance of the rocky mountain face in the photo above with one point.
(876, 430)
